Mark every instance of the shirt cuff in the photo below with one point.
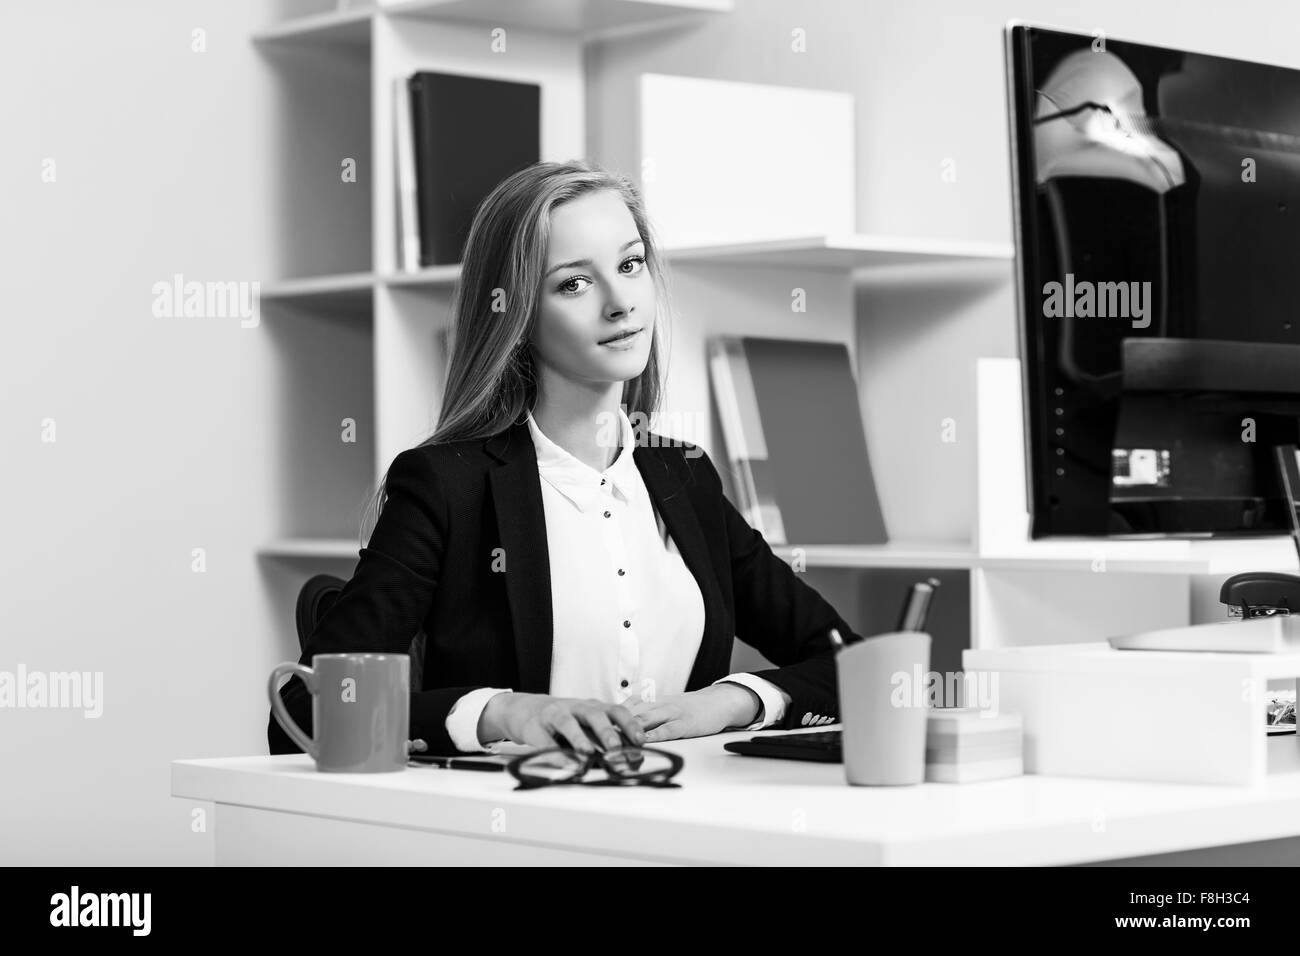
(774, 699)
(462, 719)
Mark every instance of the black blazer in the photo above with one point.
(433, 562)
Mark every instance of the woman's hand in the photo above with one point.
(543, 721)
(698, 713)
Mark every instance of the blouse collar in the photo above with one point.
(578, 481)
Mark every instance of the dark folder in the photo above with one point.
(470, 133)
(795, 440)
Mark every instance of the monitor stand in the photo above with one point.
(1265, 593)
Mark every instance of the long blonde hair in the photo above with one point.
(491, 384)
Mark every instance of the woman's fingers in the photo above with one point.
(582, 725)
(654, 717)
(632, 725)
(668, 730)
(536, 735)
(571, 730)
(599, 730)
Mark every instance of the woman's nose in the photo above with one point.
(616, 305)
(618, 299)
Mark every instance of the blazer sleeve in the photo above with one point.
(782, 617)
(384, 604)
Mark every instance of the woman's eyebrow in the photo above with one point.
(587, 262)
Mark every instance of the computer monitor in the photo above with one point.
(1157, 208)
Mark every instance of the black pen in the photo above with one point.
(456, 763)
(917, 606)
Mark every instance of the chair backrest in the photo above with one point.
(318, 595)
(315, 598)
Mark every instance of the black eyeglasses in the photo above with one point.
(625, 766)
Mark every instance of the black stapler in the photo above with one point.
(1266, 593)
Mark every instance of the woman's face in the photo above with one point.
(596, 287)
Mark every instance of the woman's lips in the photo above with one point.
(624, 343)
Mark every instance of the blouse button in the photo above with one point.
(602, 481)
(622, 683)
(627, 623)
(621, 572)
(606, 514)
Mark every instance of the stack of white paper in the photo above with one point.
(964, 744)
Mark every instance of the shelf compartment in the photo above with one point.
(325, 367)
(321, 119)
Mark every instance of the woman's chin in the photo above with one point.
(622, 366)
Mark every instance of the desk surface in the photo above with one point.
(747, 810)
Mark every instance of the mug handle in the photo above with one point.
(282, 713)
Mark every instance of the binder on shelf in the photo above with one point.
(795, 440)
(408, 225)
(469, 134)
(733, 392)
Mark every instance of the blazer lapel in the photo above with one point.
(521, 522)
(666, 481)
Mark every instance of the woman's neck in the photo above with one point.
(584, 424)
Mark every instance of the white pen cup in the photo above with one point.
(883, 712)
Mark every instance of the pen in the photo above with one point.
(455, 763)
(917, 606)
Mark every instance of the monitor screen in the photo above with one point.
(1157, 198)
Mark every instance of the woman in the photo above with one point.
(579, 584)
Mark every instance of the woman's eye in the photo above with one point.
(568, 288)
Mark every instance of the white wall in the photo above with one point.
(163, 443)
(165, 427)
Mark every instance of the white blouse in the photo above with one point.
(627, 613)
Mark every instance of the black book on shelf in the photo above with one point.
(470, 133)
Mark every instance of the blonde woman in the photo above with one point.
(579, 581)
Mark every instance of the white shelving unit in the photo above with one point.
(359, 335)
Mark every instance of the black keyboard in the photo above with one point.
(823, 745)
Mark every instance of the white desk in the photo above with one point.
(730, 810)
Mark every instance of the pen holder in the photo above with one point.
(883, 707)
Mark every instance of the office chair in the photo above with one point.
(318, 595)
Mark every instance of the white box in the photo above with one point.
(1089, 710)
(727, 162)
